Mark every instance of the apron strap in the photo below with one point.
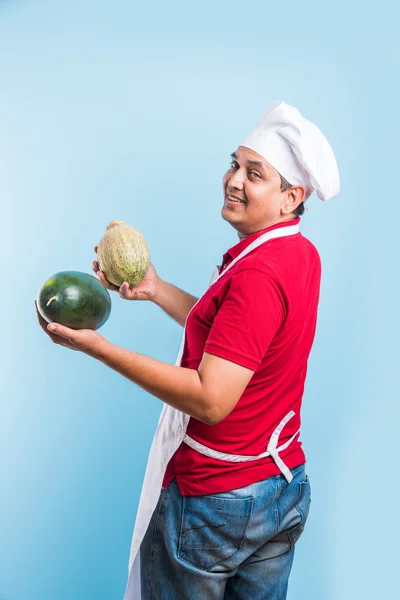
(272, 449)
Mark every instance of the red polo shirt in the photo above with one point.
(262, 315)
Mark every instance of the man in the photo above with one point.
(226, 496)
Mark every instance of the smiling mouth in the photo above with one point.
(235, 200)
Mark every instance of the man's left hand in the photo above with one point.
(82, 340)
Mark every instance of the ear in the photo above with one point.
(293, 197)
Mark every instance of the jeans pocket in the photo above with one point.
(212, 529)
(302, 507)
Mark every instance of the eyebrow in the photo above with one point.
(251, 162)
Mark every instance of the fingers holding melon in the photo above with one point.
(100, 275)
(144, 290)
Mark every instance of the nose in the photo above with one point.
(236, 180)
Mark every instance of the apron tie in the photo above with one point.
(272, 450)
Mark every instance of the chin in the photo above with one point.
(227, 217)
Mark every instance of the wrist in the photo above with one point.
(158, 289)
(101, 349)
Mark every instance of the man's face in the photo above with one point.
(254, 181)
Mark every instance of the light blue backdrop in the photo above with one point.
(113, 111)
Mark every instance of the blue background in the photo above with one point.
(117, 111)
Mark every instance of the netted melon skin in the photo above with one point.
(123, 254)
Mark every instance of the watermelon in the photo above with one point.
(123, 254)
(74, 299)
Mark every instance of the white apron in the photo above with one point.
(171, 432)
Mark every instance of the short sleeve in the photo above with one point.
(249, 317)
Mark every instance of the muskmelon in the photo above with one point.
(123, 254)
(74, 299)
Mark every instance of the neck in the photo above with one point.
(243, 235)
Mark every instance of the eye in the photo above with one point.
(255, 174)
(233, 164)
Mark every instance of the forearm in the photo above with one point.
(179, 387)
(174, 301)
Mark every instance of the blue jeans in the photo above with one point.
(236, 545)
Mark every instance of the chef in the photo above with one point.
(225, 494)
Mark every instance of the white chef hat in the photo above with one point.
(297, 149)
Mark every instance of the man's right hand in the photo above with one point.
(144, 290)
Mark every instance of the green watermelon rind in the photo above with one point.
(84, 303)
